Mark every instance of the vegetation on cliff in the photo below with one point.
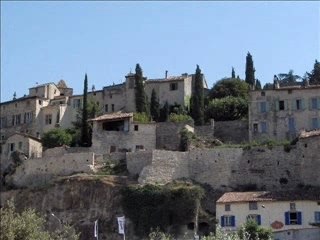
(29, 225)
(152, 206)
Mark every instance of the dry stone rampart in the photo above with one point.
(257, 168)
(40, 171)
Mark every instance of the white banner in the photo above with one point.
(96, 228)
(121, 221)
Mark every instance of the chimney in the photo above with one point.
(166, 74)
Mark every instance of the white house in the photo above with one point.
(290, 214)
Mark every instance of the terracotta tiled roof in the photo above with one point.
(112, 116)
(269, 196)
(173, 78)
(313, 133)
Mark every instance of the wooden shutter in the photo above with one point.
(259, 219)
(222, 221)
(287, 218)
(299, 216)
(233, 221)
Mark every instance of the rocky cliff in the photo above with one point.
(78, 201)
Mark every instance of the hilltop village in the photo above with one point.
(264, 167)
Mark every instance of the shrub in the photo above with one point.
(141, 117)
(179, 118)
(56, 137)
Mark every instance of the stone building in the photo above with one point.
(51, 105)
(117, 132)
(290, 214)
(26, 144)
(283, 112)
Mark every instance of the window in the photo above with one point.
(139, 147)
(263, 126)
(292, 127)
(253, 205)
(299, 104)
(293, 218)
(314, 103)
(281, 105)
(106, 108)
(173, 86)
(254, 217)
(263, 94)
(77, 103)
(255, 127)
(263, 107)
(112, 107)
(40, 102)
(228, 221)
(20, 145)
(292, 206)
(3, 122)
(136, 127)
(317, 217)
(48, 119)
(27, 117)
(110, 96)
(11, 147)
(18, 119)
(227, 207)
(315, 123)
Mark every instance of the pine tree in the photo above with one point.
(154, 106)
(233, 73)
(85, 139)
(314, 76)
(140, 95)
(249, 70)
(197, 103)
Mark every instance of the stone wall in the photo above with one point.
(168, 135)
(258, 168)
(232, 131)
(40, 171)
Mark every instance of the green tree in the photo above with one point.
(56, 137)
(251, 231)
(227, 109)
(85, 138)
(258, 84)
(29, 225)
(140, 96)
(197, 99)
(233, 73)
(154, 106)
(314, 76)
(229, 87)
(288, 78)
(164, 112)
(250, 70)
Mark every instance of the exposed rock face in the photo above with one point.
(78, 201)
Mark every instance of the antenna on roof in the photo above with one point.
(14, 96)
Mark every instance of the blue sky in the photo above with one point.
(48, 41)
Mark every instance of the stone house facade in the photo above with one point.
(117, 132)
(288, 213)
(282, 113)
(29, 145)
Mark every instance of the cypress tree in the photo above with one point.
(249, 70)
(197, 103)
(314, 76)
(258, 84)
(154, 106)
(233, 73)
(140, 95)
(85, 139)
